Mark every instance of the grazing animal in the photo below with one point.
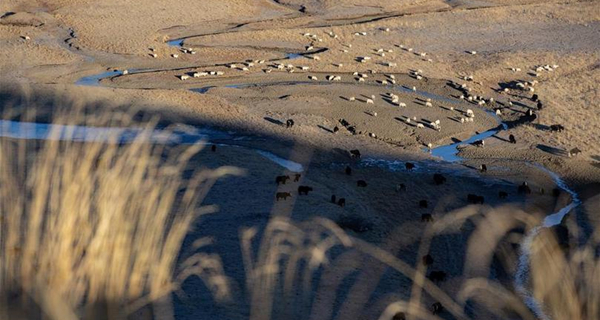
(342, 202)
(281, 179)
(213, 148)
(289, 123)
(426, 217)
(573, 152)
(439, 179)
(348, 171)
(557, 128)
(399, 316)
(534, 97)
(540, 105)
(437, 308)
(423, 204)
(512, 139)
(333, 198)
(529, 116)
(336, 129)
(400, 187)
(427, 260)
(475, 199)
(524, 189)
(361, 183)
(479, 143)
(297, 177)
(502, 194)
(409, 166)
(355, 154)
(304, 190)
(437, 276)
(283, 195)
(483, 168)
(556, 192)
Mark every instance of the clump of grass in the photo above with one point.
(87, 223)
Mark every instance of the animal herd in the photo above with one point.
(439, 179)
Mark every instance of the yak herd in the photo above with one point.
(435, 276)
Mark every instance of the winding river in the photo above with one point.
(446, 153)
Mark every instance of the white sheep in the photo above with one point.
(337, 78)
(470, 113)
(473, 52)
(175, 55)
(420, 126)
(184, 77)
(428, 104)
(154, 55)
(352, 99)
(220, 73)
(304, 68)
(370, 101)
(402, 105)
(414, 88)
(361, 80)
(313, 78)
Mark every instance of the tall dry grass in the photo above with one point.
(563, 275)
(92, 224)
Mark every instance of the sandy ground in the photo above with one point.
(52, 44)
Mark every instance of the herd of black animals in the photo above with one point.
(427, 260)
(438, 179)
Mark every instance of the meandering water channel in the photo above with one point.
(449, 153)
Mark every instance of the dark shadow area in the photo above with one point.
(247, 203)
(552, 150)
(325, 129)
(274, 121)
